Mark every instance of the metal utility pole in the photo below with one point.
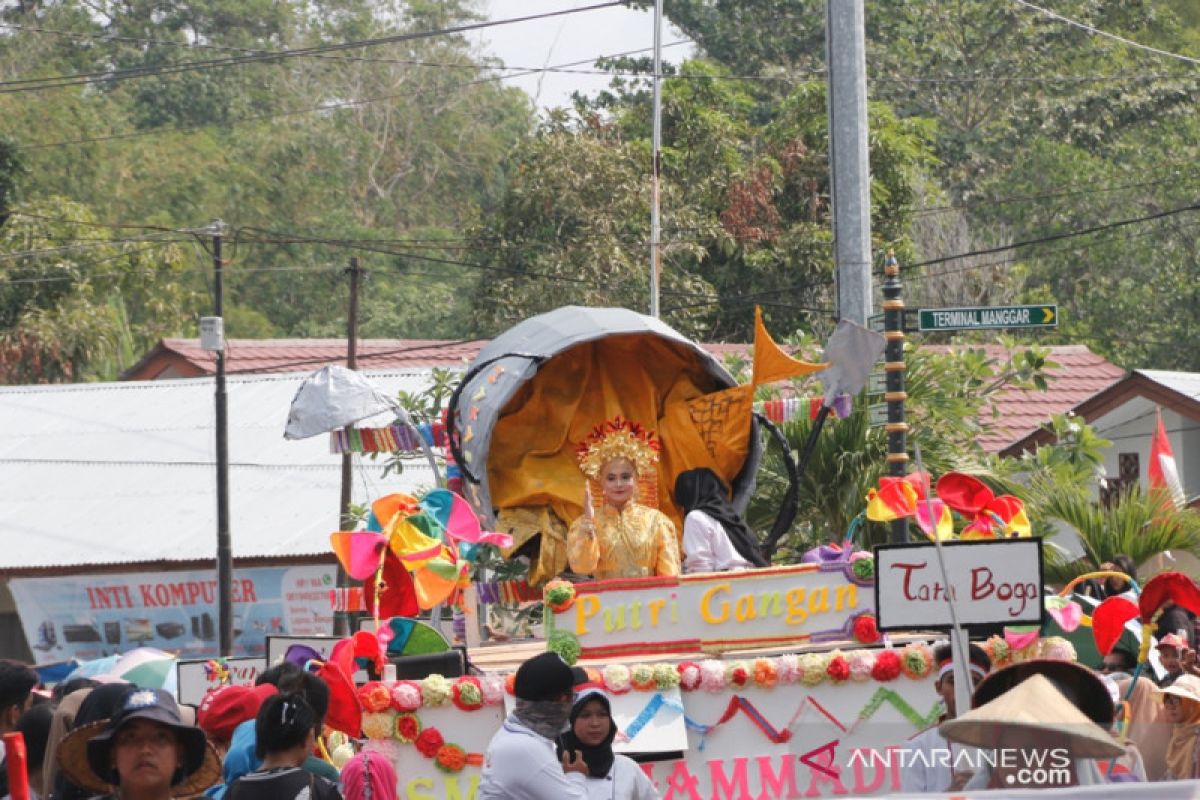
(897, 427)
(224, 547)
(850, 169)
(655, 165)
(341, 619)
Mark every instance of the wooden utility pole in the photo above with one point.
(341, 619)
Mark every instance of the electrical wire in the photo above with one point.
(1097, 32)
(317, 109)
(108, 76)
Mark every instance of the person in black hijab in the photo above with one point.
(715, 537)
(610, 776)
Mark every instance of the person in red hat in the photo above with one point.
(1171, 648)
(226, 707)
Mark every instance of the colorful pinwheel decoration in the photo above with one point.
(988, 516)
(415, 552)
(897, 498)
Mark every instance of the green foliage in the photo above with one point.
(744, 202)
(947, 394)
(1134, 523)
(87, 310)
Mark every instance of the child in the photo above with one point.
(1170, 653)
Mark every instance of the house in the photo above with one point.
(108, 513)
(1126, 413)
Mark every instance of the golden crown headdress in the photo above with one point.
(617, 438)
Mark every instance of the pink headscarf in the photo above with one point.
(369, 776)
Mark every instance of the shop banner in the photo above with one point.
(92, 616)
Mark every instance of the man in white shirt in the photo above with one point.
(520, 763)
(931, 762)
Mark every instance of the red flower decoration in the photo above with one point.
(450, 758)
(408, 727)
(374, 696)
(887, 666)
(467, 694)
(739, 676)
(689, 675)
(865, 630)
(989, 515)
(429, 742)
(838, 669)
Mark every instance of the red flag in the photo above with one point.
(1163, 474)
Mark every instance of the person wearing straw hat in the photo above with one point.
(1181, 708)
(931, 767)
(145, 752)
(1037, 716)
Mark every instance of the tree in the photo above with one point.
(744, 203)
(88, 309)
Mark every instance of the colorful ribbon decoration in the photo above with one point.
(388, 439)
(794, 408)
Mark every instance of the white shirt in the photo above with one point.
(625, 781)
(706, 546)
(931, 760)
(522, 765)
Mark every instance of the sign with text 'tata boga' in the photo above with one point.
(992, 582)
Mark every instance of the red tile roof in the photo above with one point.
(1080, 374)
(184, 358)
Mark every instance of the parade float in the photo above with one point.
(764, 683)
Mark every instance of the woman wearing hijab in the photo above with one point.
(610, 776)
(1181, 708)
(715, 537)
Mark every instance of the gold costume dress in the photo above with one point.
(636, 542)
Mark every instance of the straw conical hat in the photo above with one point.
(1033, 706)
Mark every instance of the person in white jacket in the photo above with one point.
(610, 776)
(520, 763)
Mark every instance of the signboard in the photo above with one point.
(774, 739)
(877, 414)
(196, 678)
(91, 616)
(877, 383)
(988, 318)
(993, 582)
(277, 646)
(875, 321)
(715, 611)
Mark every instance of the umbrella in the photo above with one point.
(154, 675)
(332, 398)
(93, 668)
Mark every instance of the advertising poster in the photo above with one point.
(92, 616)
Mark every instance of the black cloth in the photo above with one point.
(287, 783)
(702, 490)
(599, 759)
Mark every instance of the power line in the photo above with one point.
(322, 108)
(1057, 236)
(84, 78)
(1096, 31)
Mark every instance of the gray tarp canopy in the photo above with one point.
(522, 349)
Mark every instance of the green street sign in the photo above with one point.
(877, 414)
(877, 383)
(987, 318)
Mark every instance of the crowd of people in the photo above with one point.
(115, 740)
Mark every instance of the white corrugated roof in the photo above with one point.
(1185, 383)
(107, 473)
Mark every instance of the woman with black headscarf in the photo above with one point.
(715, 537)
(610, 776)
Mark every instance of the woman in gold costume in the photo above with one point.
(623, 538)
